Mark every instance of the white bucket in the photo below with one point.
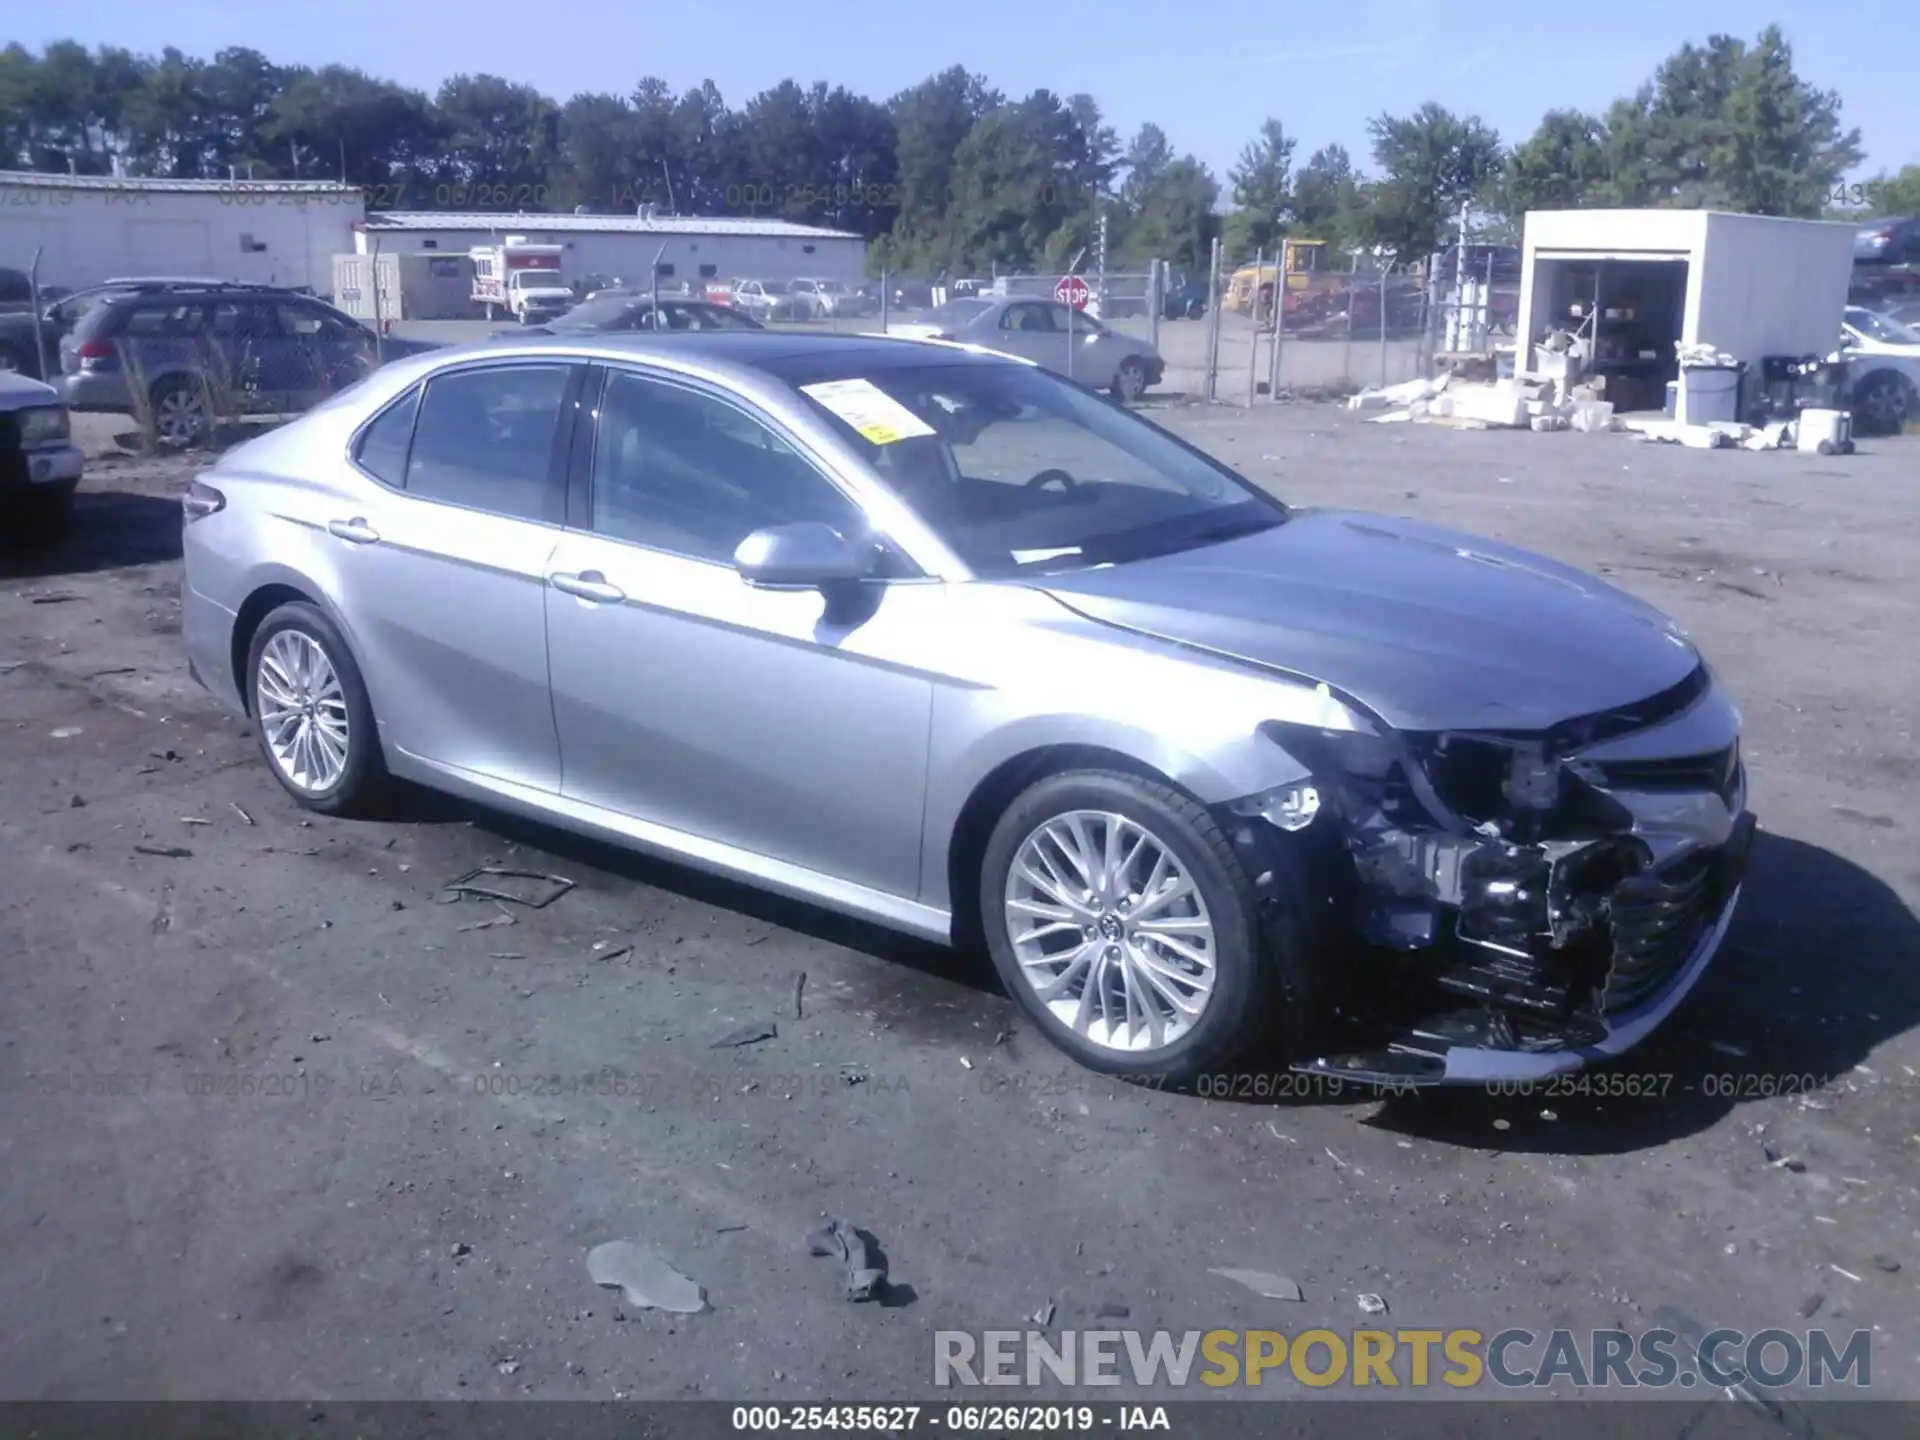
(1823, 432)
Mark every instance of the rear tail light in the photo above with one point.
(98, 355)
(201, 500)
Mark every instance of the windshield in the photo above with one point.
(610, 312)
(538, 280)
(773, 287)
(1021, 472)
(1882, 328)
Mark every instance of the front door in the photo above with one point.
(443, 574)
(685, 697)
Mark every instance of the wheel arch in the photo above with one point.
(271, 589)
(988, 801)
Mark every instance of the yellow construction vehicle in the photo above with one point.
(1252, 286)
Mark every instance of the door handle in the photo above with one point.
(356, 531)
(588, 585)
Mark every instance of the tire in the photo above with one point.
(180, 414)
(1242, 997)
(1195, 309)
(1129, 381)
(357, 785)
(16, 361)
(1883, 403)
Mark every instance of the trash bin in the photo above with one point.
(1709, 394)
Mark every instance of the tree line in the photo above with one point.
(951, 173)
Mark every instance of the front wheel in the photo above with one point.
(1884, 402)
(1121, 921)
(1130, 381)
(311, 710)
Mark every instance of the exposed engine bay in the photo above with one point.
(1523, 892)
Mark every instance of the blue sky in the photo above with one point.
(1206, 75)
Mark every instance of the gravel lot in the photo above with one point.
(404, 1157)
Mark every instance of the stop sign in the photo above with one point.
(1072, 290)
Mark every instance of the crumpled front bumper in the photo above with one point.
(1458, 1047)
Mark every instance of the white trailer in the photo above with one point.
(412, 287)
(528, 281)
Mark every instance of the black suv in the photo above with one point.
(184, 357)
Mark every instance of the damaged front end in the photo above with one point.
(1526, 904)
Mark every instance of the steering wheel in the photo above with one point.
(1048, 477)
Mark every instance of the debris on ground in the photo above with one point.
(59, 597)
(1399, 396)
(505, 917)
(799, 990)
(603, 956)
(548, 889)
(1263, 1283)
(1727, 1047)
(1372, 1305)
(1043, 1317)
(165, 852)
(244, 816)
(195, 820)
(1886, 1264)
(1848, 1274)
(1811, 1306)
(1779, 1161)
(866, 1270)
(67, 732)
(647, 1281)
(750, 1034)
(1114, 1310)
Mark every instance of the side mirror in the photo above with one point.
(807, 556)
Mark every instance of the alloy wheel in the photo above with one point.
(302, 710)
(1110, 931)
(180, 416)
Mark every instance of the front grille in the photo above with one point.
(1657, 919)
(1716, 772)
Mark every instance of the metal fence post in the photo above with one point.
(886, 297)
(1279, 328)
(1253, 354)
(41, 370)
(1213, 322)
(1383, 329)
(1156, 298)
(1346, 358)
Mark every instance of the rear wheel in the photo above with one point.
(310, 707)
(1120, 920)
(179, 412)
(1130, 381)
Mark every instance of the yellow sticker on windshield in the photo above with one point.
(878, 417)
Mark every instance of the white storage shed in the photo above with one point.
(1640, 280)
(698, 249)
(89, 228)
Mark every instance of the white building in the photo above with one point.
(1641, 280)
(89, 228)
(690, 248)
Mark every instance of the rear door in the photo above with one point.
(1028, 329)
(247, 362)
(443, 569)
(323, 352)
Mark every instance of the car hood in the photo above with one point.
(18, 391)
(1429, 628)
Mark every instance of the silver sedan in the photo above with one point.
(930, 636)
(1065, 340)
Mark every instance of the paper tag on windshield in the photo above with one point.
(869, 409)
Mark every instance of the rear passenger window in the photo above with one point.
(152, 322)
(485, 439)
(383, 444)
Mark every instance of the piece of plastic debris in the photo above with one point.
(67, 732)
(965, 1064)
(647, 1281)
(866, 1269)
(1886, 1264)
(503, 918)
(1263, 1283)
(1549, 1115)
(799, 990)
(554, 886)
(1372, 1305)
(1043, 1317)
(1503, 1124)
(1847, 1273)
(165, 852)
(241, 813)
(750, 1034)
(508, 1367)
(1811, 1306)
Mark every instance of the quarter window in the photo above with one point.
(485, 439)
(383, 444)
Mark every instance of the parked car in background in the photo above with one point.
(830, 300)
(832, 617)
(39, 463)
(61, 310)
(767, 300)
(1888, 242)
(1064, 340)
(619, 314)
(181, 358)
(1185, 300)
(1883, 370)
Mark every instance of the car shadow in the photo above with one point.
(112, 530)
(974, 971)
(1817, 970)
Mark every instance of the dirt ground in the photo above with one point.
(278, 1123)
